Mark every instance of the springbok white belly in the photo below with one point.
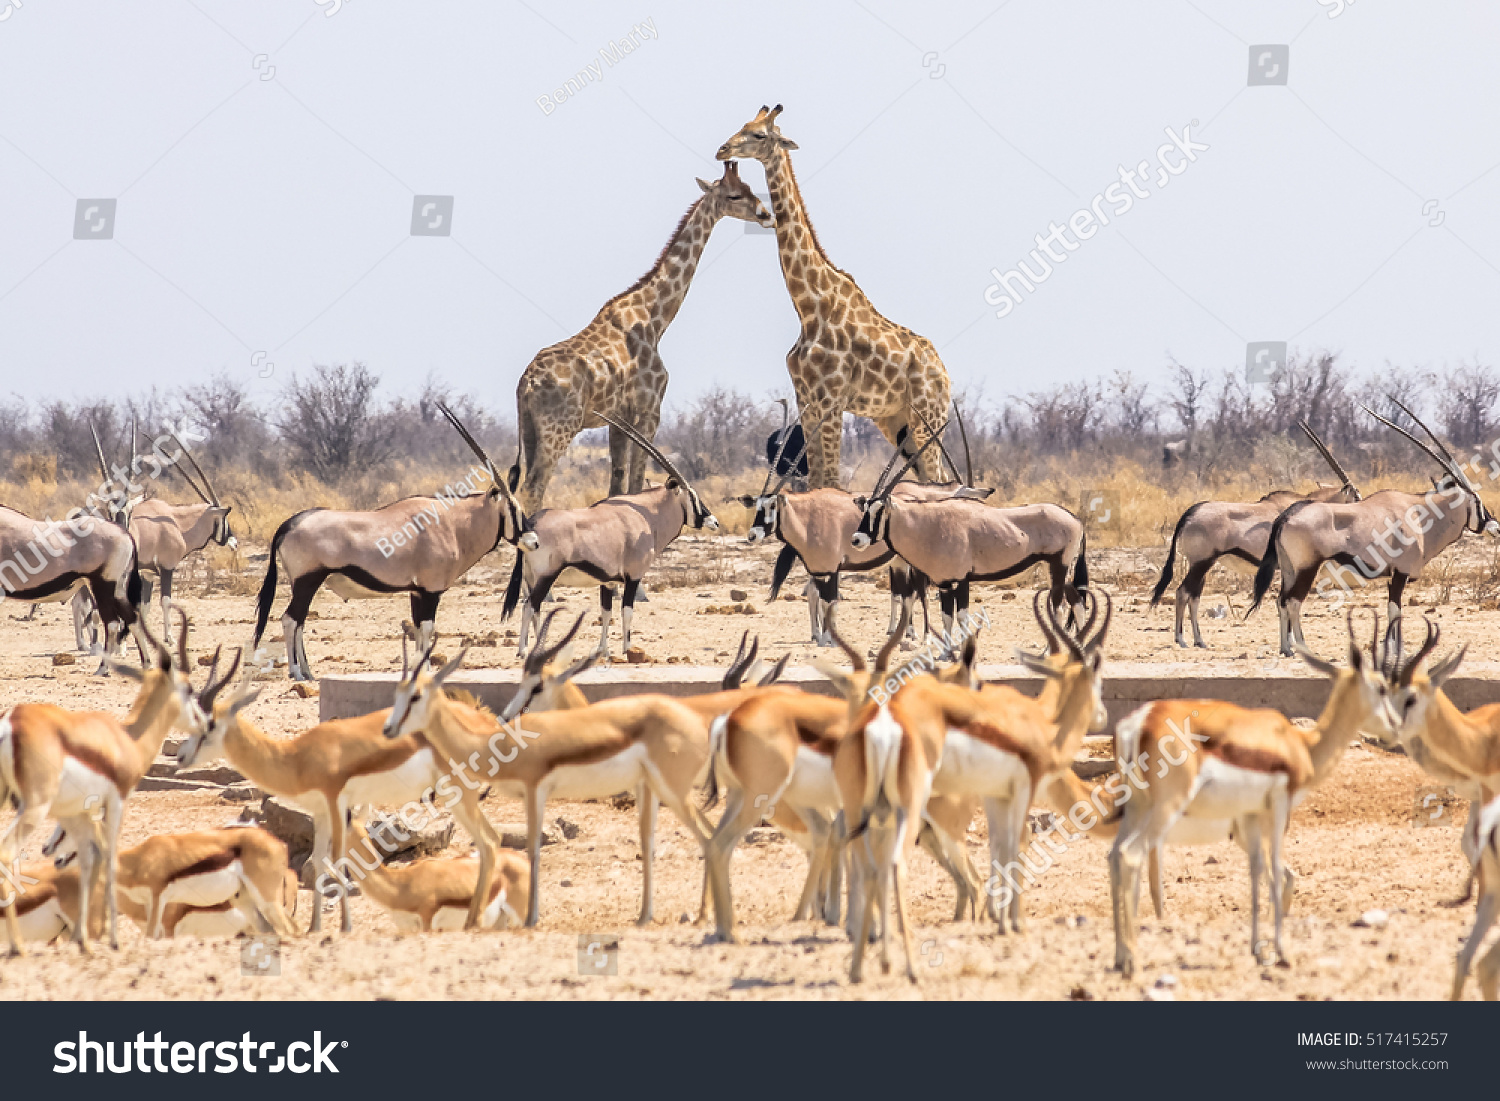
(598, 779)
(972, 766)
(406, 921)
(230, 922)
(206, 888)
(812, 783)
(450, 919)
(1228, 791)
(1199, 831)
(43, 923)
(405, 782)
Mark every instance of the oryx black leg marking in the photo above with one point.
(827, 585)
(1188, 595)
(424, 606)
(304, 589)
(627, 606)
(607, 612)
(1394, 589)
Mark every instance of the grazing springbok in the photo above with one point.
(1211, 530)
(645, 744)
(432, 895)
(418, 545)
(330, 768)
(230, 879)
(165, 534)
(613, 541)
(955, 541)
(46, 561)
(79, 767)
(1388, 534)
(1214, 760)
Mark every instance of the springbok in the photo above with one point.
(79, 767)
(46, 902)
(1211, 530)
(1215, 760)
(419, 545)
(330, 768)
(613, 541)
(955, 541)
(646, 744)
(1359, 536)
(432, 895)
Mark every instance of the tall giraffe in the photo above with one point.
(848, 358)
(612, 366)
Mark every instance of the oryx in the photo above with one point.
(418, 545)
(1389, 534)
(1211, 530)
(956, 540)
(613, 541)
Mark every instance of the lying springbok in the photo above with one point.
(46, 903)
(816, 528)
(79, 767)
(956, 541)
(432, 895)
(1211, 530)
(46, 561)
(645, 744)
(613, 541)
(1358, 536)
(198, 879)
(330, 768)
(1215, 760)
(421, 546)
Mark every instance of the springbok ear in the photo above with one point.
(129, 672)
(1445, 668)
(1327, 668)
(706, 186)
(842, 682)
(448, 670)
(244, 700)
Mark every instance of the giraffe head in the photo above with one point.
(731, 197)
(758, 139)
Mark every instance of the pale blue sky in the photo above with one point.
(274, 215)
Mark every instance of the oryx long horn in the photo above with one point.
(797, 458)
(1323, 450)
(198, 470)
(885, 472)
(181, 473)
(1452, 462)
(968, 458)
(931, 439)
(483, 455)
(647, 446)
(1433, 455)
(786, 419)
(99, 451)
(134, 462)
(941, 445)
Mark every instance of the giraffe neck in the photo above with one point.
(808, 272)
(661, 290)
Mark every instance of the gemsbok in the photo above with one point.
(957, 540)
(1389, 534)
(79, 767)
(612, 542)
(421, 546)
(1208, 759)
(1211, 530)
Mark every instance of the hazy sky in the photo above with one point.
(264, 158)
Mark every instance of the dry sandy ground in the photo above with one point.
(1353, 842)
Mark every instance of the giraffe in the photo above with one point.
(848, 357)
(612, 366)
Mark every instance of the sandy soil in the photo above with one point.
(1353, 842)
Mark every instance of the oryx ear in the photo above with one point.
(745, 499)
(706, 186)
(129, 672)
(448, 670)
(972, 493)
(1327, 668)
(1446, 667)
(860, 502)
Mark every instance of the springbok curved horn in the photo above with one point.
(551, 652)
(1054, 644)
(1074, 646)
(405, 658)
(855, 660)
(198, 470)
(1406, 669)
(1109, 610)
(99, 451)
(215, 685)
(883, 658)
(1446, 464)
(964, 433)
(481, 453)
(1327, 454)
(647, 446)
